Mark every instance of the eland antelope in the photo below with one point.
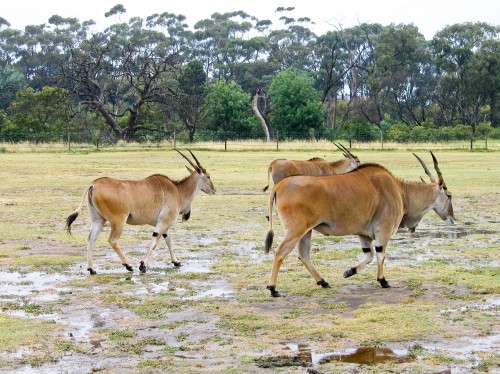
(368, 202)
(156, 200)
(281, 168)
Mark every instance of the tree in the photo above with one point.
(228, 109)
(11, 81)
(116, 72)
(192, 87)
(41, 114)
(296, 105)
(459, 95)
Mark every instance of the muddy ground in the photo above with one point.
(214, 315)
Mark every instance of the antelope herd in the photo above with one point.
(338, 198)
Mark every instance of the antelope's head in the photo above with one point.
(353, 160)
(203, 177)
(442, 203)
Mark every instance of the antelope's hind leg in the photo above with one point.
(114, 235)
(284, 248)
(305, 257)
(98, 222)
(168, 240)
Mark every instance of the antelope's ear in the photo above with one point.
(189, 169)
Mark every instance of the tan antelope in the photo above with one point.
(281, 168)
(156, 200)
(369, 202)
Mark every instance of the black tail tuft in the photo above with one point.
(71, 218)
(269, 240)
(265, 188)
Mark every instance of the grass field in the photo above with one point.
(213, 314)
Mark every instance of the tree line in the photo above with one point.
(235, 73)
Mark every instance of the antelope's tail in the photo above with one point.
(268, 179)
(72, 217)
(270, 233)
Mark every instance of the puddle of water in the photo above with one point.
(304, 356)
(15, 284)
(369, 356)
(451, 233)
(361, 356)
(195, 266)
(213, 292)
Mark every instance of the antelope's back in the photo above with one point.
(120, 195)
(364, 191)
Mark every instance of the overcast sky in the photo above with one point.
(429, 16)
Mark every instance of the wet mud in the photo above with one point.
(66, 298)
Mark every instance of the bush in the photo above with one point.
(399, 132)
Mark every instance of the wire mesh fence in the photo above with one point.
(214, 140)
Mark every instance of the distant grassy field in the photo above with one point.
(214, 314)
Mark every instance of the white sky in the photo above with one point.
(429, 16)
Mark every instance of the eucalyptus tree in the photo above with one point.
(395, 79)
(114, 73)
(455, 48)
(484, 77)
(293, 46)
(402, 73)
(11, 81)
(41, 49)
(224, 41)
(191, 96)
(10, 39)
(339, 55)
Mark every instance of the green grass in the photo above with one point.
(227, 231)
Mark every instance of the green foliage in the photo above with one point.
(296, 104)
(228, 109)
(42, 112)
(399, 132)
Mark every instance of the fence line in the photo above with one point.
(228, 141)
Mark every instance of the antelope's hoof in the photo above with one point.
(323, 284)
(142, 267)
(176, 263)
(128, 267)
(91, 271)
(384, 283)
(274, 293)
(349, 272)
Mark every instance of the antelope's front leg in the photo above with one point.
(366, 245)
(145, 259)
(380, 250)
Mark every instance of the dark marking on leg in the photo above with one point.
(383, 283)
(186, 216)
(379, 249)
(128, 267)
(274, 293)
(142, 267)
(176, 263)
(367, 250)
(155, 234)
(323, 284)
(91, 271)
(350, 272)
(164, 235)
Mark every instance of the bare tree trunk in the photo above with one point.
(259, 93)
